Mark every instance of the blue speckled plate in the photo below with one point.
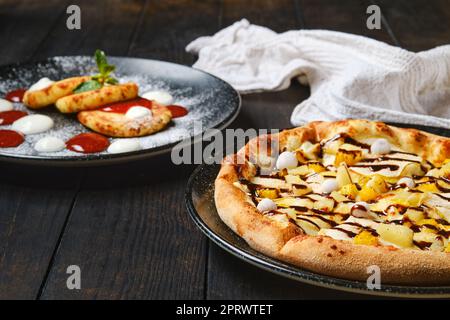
(210, 101)
(199, 199)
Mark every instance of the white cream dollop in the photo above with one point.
(380, 146)
(286, 160)
(161, 97)
(329, 185)
(124, 145)
(5, 105)
(266, 204)
(33, 123)
(41, 84)
(49, 144)
(138, 112)
(407, 182)
(358, 212)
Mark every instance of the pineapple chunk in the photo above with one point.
(308, 227)
(447, 249)
(325, 204)
(301, 158)
(443, 213)
(348, 154)
(268, 193)
(291, 202)
(293, 179)
(396, 234)
(365, 237)
(414, 215)
(424, 237)
(377, 183)
(349, 190)
(437, 245)
(299, 171)
(360, 179)
(433, 173)
(316, 167)
(270, 183)
(344, 208)
(367, 194)
(444, 185)
(412, 169)
(373, 188)
(338, 197)
(408, 199)
(343, 176)
(300, 191)
(428, 187)
(298, 185)
(430, 222)
(311, 151)
(332, 147)
(445, 169)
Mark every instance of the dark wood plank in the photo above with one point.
(277, 15)
(32, 217)
(24, 25)
(418, 24)
(109, 27)
(168, 26)
(129, 230)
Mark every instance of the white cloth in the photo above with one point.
(350, 76)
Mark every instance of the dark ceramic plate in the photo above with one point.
(200, 204)
(212, 103)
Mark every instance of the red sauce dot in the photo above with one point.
(8, 117)
(88, 143)
(123, 106)
(177, 111)
(15, 95)
(10, 138)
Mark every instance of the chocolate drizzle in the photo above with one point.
(346, 139)
(377, 167)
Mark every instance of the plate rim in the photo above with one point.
(290, 271)
(92, 160)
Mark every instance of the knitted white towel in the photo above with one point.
(350, 76)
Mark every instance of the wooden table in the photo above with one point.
(127, 226)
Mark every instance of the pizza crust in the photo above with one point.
(284, 240)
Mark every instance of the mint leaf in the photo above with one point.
(110, 80)
(100, 59)
(104, 68)
(87, 86)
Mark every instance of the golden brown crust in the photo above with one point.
(118, 125)
(48, 96)
(344, 259)
(90, 100)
